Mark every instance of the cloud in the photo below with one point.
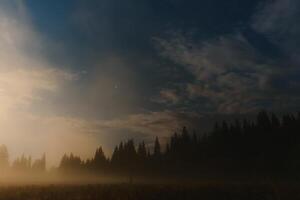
(210, 58)
(147, 125)
(230, 75)
(20, 86)
(278, 21)
(168, 96)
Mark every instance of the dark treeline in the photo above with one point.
(268, 146)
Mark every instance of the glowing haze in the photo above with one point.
(31, 122)
(27, 78)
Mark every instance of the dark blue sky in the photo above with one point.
(127, 27)
(181, 56)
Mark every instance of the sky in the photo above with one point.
(76, 74)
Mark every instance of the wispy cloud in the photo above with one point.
(151, 123)
(278, 21)
(167, 96)
(146, 126)
(230, 74)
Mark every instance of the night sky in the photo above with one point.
(95, 72)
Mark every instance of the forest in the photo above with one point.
(268, 146)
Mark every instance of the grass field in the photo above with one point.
(149, 192)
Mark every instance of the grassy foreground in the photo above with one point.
(149, 192)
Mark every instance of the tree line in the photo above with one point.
(23, 163)
(267, 146)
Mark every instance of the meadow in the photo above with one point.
(150, 192)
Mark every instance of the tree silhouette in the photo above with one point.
(22, 164)
(268, 146)
(3, 157)
(157, 150)
(99, 162)
(39, 165)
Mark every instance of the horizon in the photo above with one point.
(280, 121)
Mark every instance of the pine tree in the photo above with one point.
(157, 150)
